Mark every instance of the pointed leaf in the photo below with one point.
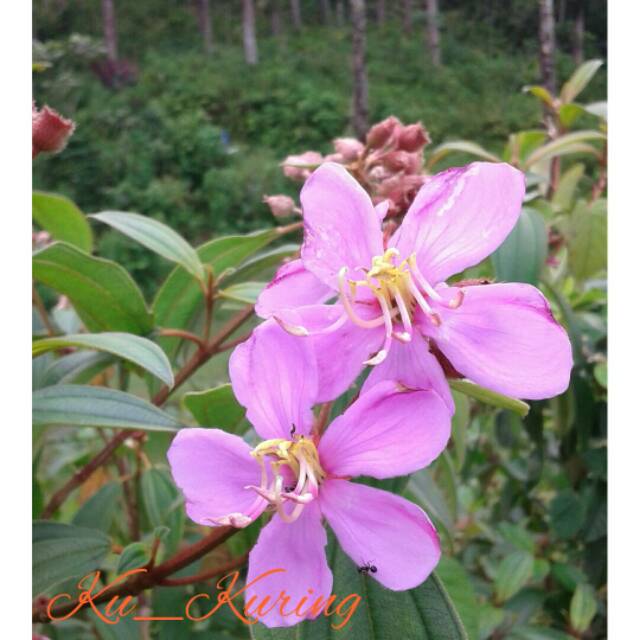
(87, 406)
(63, 551)
(490, 397)
(514, 572)
(579, 80)
(460, 146)
(140, 351)
(156, 236)
(215, 407)
(584, 607)
(588, 238)
(104, 295)
(62, 219)
(564, 145)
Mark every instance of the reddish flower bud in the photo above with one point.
(397, 161)
(413, 137)
(382, 132)
(299, 167)
(334, 157)
(49, 130)
(281, 206)
(349, 148)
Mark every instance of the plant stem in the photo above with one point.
(206, 575)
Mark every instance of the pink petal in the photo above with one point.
(340, 349)
(504, 337)
(388, 431)
(298, 548)
(293, 286)
(341, 227)
(459, 217)
(212, 468)
(415, 367)
(273, 375)
(378, 527)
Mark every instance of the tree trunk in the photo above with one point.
(325, 10)
(296, 16)
(407, 15)
(547, 45)
(109, 26)
(276, 20)
(360, 108)
(578, 36)
(433, 32)
(249, 32)
(380, 12)
(204, 24)
(340, 13)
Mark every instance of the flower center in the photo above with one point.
(399, 287)
(295, 477)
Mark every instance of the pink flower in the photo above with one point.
(392, 300)
(281, 206)
(349, 149)
(300, 167)
(49, 130)
(304, 478)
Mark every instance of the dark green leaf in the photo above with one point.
(99, 510)
(567, 514)
(584, 607)
(588, 238)
(216, 407)
(89, 406)
(521, 256)
(424, 613)
(102, 292)
(157, 237)
(63, 551)
(140, 351)
(133, 556)
(514, 572)
(62, 219)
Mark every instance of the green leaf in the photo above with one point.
(459, 586)
(541, 93)
(140, 351)
(88, 406)
(522, 144)
(564, 196)
(179, 298)
(537, 633)
(215, 407)
(262, 266)
(514, 571)
(246, 292)
(104, 295)
(517, 536)
(459, 426)
(490, 397)
(584, 607)
(133, 556)
(564, 145)
(600, 374)
(567, 514)
(426, 492)
(62, 219)
(587, 238)
(567, 575)
(521, 256)
(598, 109)
(99, 510)
(163, 505)
(424, 613)
(460, 146)
(157, 237)
(63, 551)
(579, 80)
(569, 113)
(79, 367)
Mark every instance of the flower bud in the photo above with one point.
(281, 206)
(349, 148)
(397, 161)
(49, 130)
(413, 137)
(299, 167)
(382, 132)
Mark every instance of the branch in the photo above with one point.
(206, 575)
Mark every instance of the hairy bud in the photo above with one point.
(49, 130)
(299, 167)
(349, 148)
(281, 206)
(382, 132)
(413, 137)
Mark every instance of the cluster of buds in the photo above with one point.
(389, 165)
(49, 130)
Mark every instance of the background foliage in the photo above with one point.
(519, 500)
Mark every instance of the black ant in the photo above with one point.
(293, 430)
(368, 567)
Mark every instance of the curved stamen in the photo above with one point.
(454, 303)
(345, 298)
(402, 307)
(424, 305)
(386, 313)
